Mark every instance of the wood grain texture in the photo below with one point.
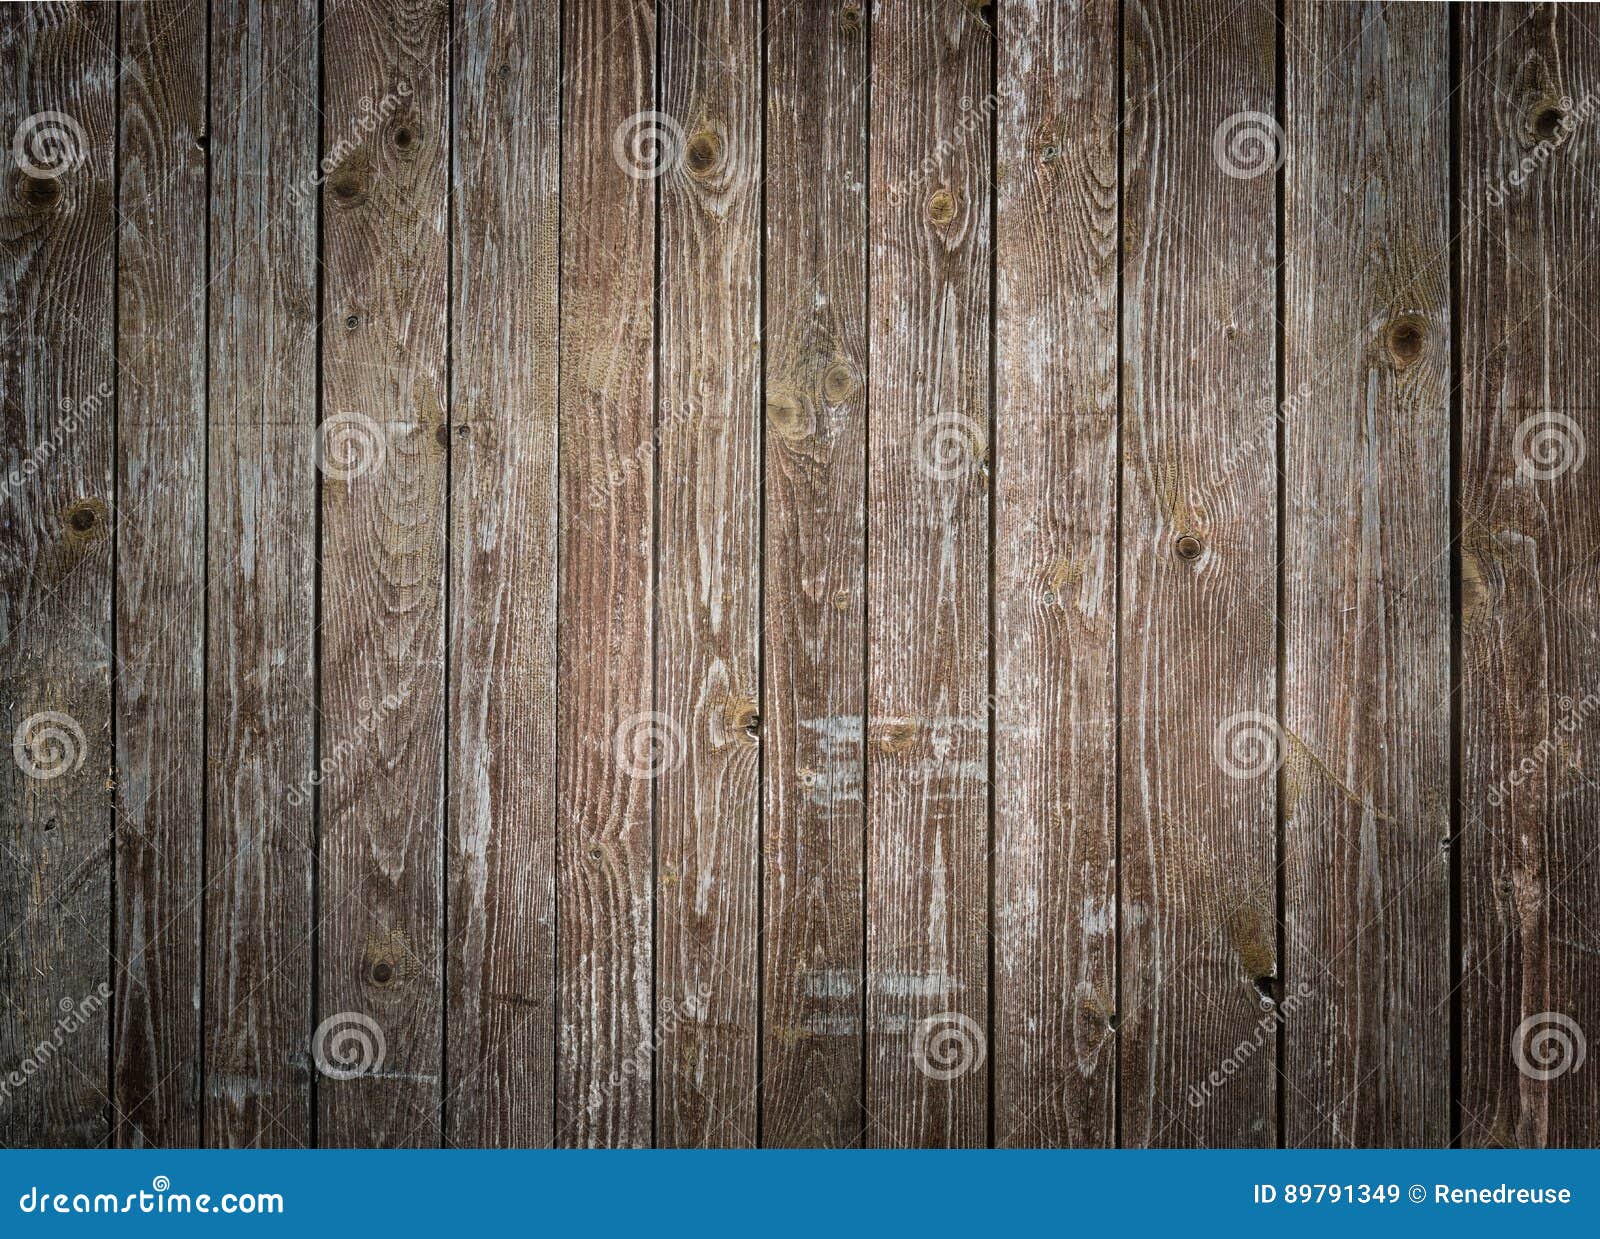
(1530, 668)
(385, 290)
(1198, 584)
(1055, 575)
(814, 562)
(161, 554)
(1366, 577)
(261, 555)
(500, 1012)
(928, 578)
(708, 577)
(609, 744)
(57, 353)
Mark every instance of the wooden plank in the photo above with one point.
(708, 591)
(608, 742)
(501, 999)
(384, 441)
(261, 564)
(57, 377)
(1366, 577)
(814, 563)
(927, 579)
(1055, 897)
(1530, 490)
(161, 548)
(1198, 573)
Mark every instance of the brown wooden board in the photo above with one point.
(813, 563)
(1529, 490)
(57, 516)
(708, 575)
(161, 563)
(383, 447)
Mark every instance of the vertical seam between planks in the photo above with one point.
(993, 479)
(115, 1007)
(199, 1075)
(555, 700)
(449, 486)
(1453, 224)
(866, 591)
(761, 595)
(1116, 654)
(1280, 643)
(659, 17)
(316, 604)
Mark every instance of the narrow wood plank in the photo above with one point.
(261, 564)
(928, 578)
(1055, 575)
(608, 742)
(1530, 491)
(1366, 576)
(501, 1000)
(1198, 585)
(161, 548)
(57, 376)
(814, 558)
(708, 592)
(383, 442)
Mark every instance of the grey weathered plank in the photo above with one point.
(1366, 576)
(608, 744)
(57, 354)
(261, 564)
(161, 548)
(1530, 486)
(1198, 573)
(1055, 896)
(384, 442)
(814, 564)
(708, 565)
(928, 578)
(501, 996)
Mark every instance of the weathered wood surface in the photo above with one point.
(878, 574)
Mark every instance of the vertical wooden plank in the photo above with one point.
(1198, 587)
(1366, 591)
(928, 578)
(609, 744)
(383, 443)
(1055, 574)
(501, 999)
(708, 591)
(1530, 490)
(814, 557)
(57, 375)
(161, 546)
(261, 560)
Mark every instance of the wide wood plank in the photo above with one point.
(161, 558)
(1529, 494)
(504, 335)
(57, 512)
(928, 578)
(1055, 881)
(1198, 684)
(609, 744)
(261, 563)
(814, 565)
(384, 443)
